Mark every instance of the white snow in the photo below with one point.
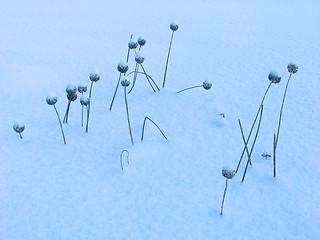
(172, 188)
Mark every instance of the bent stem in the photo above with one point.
(64, 139)
(144, 123)
(280, 116)
(121, 158)
(189, 88)
(165, 71)
(88, 110)
(128, 117)
(254, 141)
(224, 194)
(253, 124)
(144, 71)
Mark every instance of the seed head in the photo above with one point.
(292, 68)
(125, 82)
(174, 26)
(228, 172)
(274, 77)
(207, 85)
(139, 58)
(72, 97)
(123, 67)
(82, 88)
(94, 77)
(133, 44)
(18, 127)
(85, 101)
(141, 41)
(52, 99)
(70, 89)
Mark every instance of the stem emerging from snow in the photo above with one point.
(121, 158)
(144, 123)
(88, 111)
(64, 139)
(224, 194)
(128, 117)
(165, 71)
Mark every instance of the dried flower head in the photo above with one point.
(139, 58)
(84, 101)
(125, 82)
(123, 67)
(52, 99)
(72, 97)
(18, 127)
(94, 77)
(292, 68)
(228, 172)
(141, 41)
(133, 44)
(207, 85)
(71, 89)
(274, 77)
(82, 88)
(174, 26)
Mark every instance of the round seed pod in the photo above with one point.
(228, 172)
(52, 99)
(18, 127)
(133, 44)
(82, 88)
(292, 68)
(125, 82)
(85, 101)
(174, 26)
(141, 41)
(207, 85)
(139, 58)
(72, 97)
(274, 77)
(70, 89)
(123, 67)
(94, 77)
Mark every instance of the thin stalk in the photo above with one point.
(224, 194)
(20, 135)
(254, 141)
(82, 114)
(144, 123)
(274, 155)
(253, 124)
(128, 117)
(65, 119)
(88, 111)
(244, 141)
(136, 69)
(144, 71)
(280, 117)
(165, 71)
(115, 92)
(64, 139)
(189, 88)
(121, 158)
(128, 51)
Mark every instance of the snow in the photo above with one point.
(171, 189)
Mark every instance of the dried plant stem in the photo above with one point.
(144, 71)
(128, 54)
(189, 88)
(165, 71)
(253, 124)
(121, 158)
(144, 123)
(254, 141)
(64, 139)
(280, 116)
(20, 135)
(65, 119)
(224, 194)
(128, 117)
(115, 92)
(274, 155)
(88, 110)
(244, 141)
(82, 114)
(136, 70)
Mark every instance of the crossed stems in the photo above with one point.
(148, 79)
(88, 109)
(64, 139)
(253, 124)
(66, 115)
(144, 123)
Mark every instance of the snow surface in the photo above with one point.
(171, 189)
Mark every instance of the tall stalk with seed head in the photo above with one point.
(94, 77)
